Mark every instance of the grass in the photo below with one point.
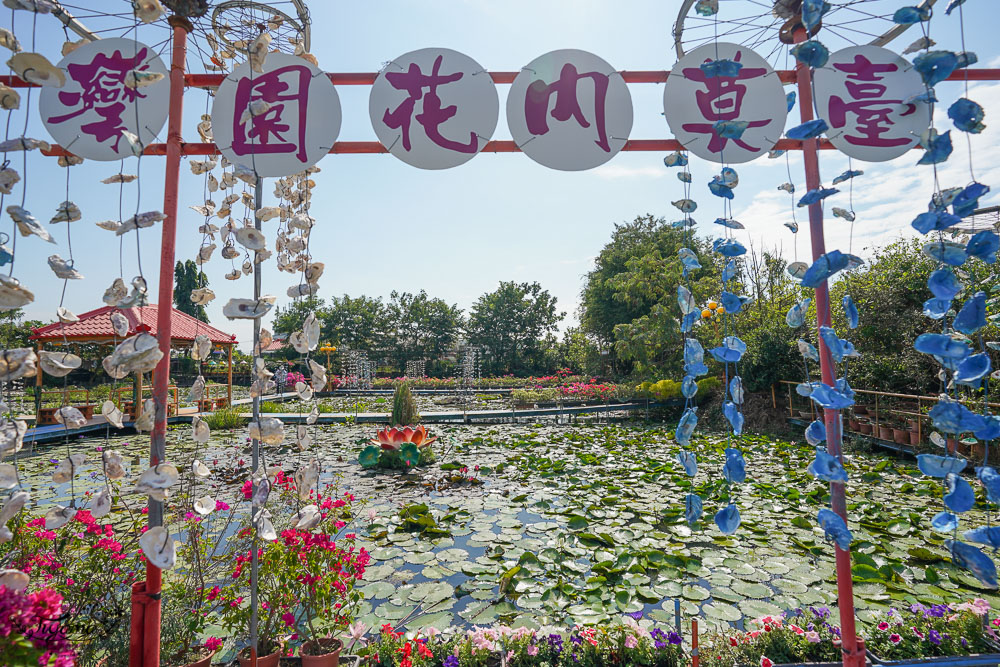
(226, 419)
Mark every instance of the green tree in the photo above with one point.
(580, 352)
(421, 327)
(187, 278)
(14, 331)
(510, 324)
(629, 300)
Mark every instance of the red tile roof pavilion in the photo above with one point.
(95, 327)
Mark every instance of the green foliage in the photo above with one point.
(417, 518)
(668, 390)
(270, 406)
(225, 419)
(511, 323)
(13, 331)
(404, 407)
(187, 278)
(581, 352)
(369, 456)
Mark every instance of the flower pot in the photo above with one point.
(953, 660)
(865, 427)
(860, 410)
(978, 451)
(914, 438)
(911, 424)
(262, 660)
(900, 436)
(321, 653)
(204, 661)
(885, 433)
(853, 424)
(805, 414)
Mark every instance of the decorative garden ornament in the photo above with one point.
(113, 465)
(36, 68)
(58, 364)
(67, 468)
(158, 547)
(59, 516)
(140, 221)
(11, 436)
(269, 430)
(306, 478)
(138, 354)
(8, 476)
(66, 316)
(303, 391)
(204, 505)
(249, 309)
(27, 224)
(308, 518)
(10, 508)
(395, 438)
(144, 424)
(17, 363)
(197, 390)
(66, 212)
(200, 431)
(70, 417)
(101, 505)
(202, 296)
(199, 469)
(13, 580)
(157, 480)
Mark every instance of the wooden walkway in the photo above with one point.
(98, 425)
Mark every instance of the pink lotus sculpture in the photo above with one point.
(394, 438)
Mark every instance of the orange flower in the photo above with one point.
(395, 438)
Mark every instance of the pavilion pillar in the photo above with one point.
(229, 369)
(38, 388)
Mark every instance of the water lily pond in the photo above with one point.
(579, 524)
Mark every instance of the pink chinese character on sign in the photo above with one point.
(413, 81)
(866, 102)
(286, 90)
(102, 81)
(536, 103)
(722, 99)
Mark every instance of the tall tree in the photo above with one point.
(511, 323)
(187, 278)
(421, 327)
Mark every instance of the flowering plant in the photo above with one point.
(30, 629)
(90, 565)
(938, 630)
(795, 636)
(306, 577)
(629, 644)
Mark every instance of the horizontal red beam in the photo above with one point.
(495, 146)
(633, 76)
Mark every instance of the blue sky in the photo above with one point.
(383, 225)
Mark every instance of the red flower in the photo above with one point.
(765, 661)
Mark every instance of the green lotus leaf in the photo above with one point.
(369, 456)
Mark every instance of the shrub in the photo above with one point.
(404, 407)
(269, 406)
(668, 390)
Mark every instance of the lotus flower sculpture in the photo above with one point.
(393, 439)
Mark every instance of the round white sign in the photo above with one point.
(706, 111)
(434, 108)
(279, 121)
(88, 115)
(569, 110)
(864, 94)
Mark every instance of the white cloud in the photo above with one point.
(616, 172)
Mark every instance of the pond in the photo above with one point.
(580, 524)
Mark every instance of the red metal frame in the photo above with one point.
(145, 641)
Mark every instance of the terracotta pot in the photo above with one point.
(262, 661)
(914, 438)
(911, 424)
(205, 661)
(852, 424)
(865, 428)
(328, 650)
(885, 433)
(860, 410)
(900, 436)
(978, 451)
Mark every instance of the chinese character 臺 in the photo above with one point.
(722, 100)
(867, 104)
(536, 103)
(285, 89)
(413, 81)
(104, 91)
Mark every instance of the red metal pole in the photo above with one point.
(853, 657)
(161, 376)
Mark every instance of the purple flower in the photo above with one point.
(451, 661)
(556, 643)
(820, 612)
(965, 643)
(636, 615)
(674, 638)
(576, 639)
(917, 607)
(934, 636)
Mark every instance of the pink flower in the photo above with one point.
(533, 649)
(894, 638)
(288, 619)
(220, 506)
(812, 637)
(883, 626)
(765, 661)
(917, 632)
(630, 642)
(213, 643)
(796, 629)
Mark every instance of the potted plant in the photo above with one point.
(865, 427)
(900, 436)
(795, 637)
(885, 432)
(937, 633)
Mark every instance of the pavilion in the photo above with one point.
(94, 328)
